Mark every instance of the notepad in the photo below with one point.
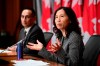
(4, 51)
(29, 62)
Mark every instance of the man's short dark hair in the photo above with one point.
(33, 11)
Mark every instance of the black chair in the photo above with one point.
(91, 51)
(98, 59)
(47, 36)
(6, 40)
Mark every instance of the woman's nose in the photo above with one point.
(58, 19)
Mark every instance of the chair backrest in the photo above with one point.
(47, 36)
(98, 59)
(91, 51)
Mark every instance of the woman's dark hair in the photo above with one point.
(73, 26)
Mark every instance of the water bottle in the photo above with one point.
(19, 51)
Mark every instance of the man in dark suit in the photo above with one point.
(32, 30)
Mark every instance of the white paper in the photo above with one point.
(4, 51)
(29, 62)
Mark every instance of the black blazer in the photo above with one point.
(35, 33)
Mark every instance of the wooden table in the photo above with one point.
(7, 57)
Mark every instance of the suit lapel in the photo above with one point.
(32, 29)
(21, 34)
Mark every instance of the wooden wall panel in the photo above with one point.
(10, 15)
(2, 15)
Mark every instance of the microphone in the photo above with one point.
(21, 41)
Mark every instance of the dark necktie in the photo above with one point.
(25, 34)
(24, 37)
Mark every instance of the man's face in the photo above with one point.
(26, 18)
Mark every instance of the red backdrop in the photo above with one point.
(87, 12)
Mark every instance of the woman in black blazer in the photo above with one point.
(69, 46)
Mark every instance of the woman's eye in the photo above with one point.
(62, 16)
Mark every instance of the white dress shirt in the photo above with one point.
(27, 30)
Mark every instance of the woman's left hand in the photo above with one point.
(33, 46)
(55, 47)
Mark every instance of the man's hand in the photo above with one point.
(12, 48)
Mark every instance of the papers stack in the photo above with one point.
(4, 51)
(29, 62)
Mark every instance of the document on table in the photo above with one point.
(29, 62)
(4, 51)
